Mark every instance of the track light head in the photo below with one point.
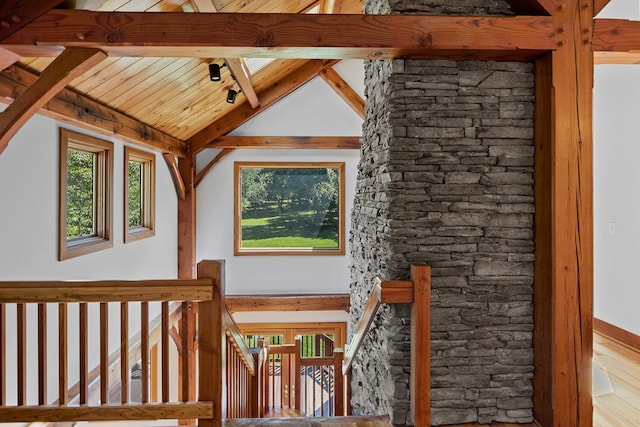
(214, 72)
(231, 96)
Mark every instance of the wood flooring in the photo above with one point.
(621, 406)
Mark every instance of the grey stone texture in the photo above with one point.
(446, 179)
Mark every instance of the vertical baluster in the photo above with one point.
(338, 383)
(104, 353)
(124, 352)
(165, 351)
(154, 373)
(185, 333)
(22, 353)
(63, 387)
(42, 354)
(144, 350)
(321, 368)
(313, 384)
(84, 353)
(3, 355)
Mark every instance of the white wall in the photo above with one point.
(617, 195)
(311, 111)
(29, 239)
(621, 9)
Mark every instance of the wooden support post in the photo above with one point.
(338, 383)
(211, 348)
(421, 345)
(186, 270)
(563, 288)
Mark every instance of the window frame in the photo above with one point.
(237, 238)
(148, 189)
(103, 195)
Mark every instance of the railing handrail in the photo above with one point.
(105, 291)
(236, 337)
(370, 311)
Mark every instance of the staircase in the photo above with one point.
(374, 421)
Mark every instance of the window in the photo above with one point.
(86, 193)
(289, 208)
(139, 194)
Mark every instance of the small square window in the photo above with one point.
(85, 175)
(139, 194)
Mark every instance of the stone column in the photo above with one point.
(446, 179)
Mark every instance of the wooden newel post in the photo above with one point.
(210, 353)
(254, 388)
(421, 345)
(338, 357)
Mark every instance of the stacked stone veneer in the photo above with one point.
(446, 179)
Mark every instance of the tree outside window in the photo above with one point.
(140, 171)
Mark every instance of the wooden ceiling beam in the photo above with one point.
(70, 64)
(72, 107)
(598, 5)
(242, 75)
(15, 14)
(7, 58)
(287, 142)
(268, 96)
(238, 303)
(342, 88)
(616, 35)
(218, 35)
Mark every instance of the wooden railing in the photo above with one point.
(297, 385)
(417, 292)
(31, 401)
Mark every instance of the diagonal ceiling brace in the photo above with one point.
(68, 65)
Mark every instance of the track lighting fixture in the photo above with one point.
(214, 71)
(231, 95)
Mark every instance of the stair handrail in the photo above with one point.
(364, 324)
(236, 337)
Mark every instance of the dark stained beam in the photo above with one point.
(72, 107)
(15, 14)
(268, 97)
(217, 35)
(295, 142)
(70, 64)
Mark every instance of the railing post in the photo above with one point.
(296, 369)
(210, 351)
(338, 383)
(421, 345)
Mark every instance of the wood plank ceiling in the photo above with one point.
(176, 95)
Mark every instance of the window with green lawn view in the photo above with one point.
(289, 208)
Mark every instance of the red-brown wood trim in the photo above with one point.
(205, 170)
(268, 97)
(616, 35)
(420, 381)
(70, 64)
(342, 88)
(289, 35)
(288, 142)
(178, 183)
(614, 332)
(239, 303)
(242, 76)
(72, 107)
(598, 5)
(563, 287)
(7, 58)
(15, 14)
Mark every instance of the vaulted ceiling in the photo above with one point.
(144, 77)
